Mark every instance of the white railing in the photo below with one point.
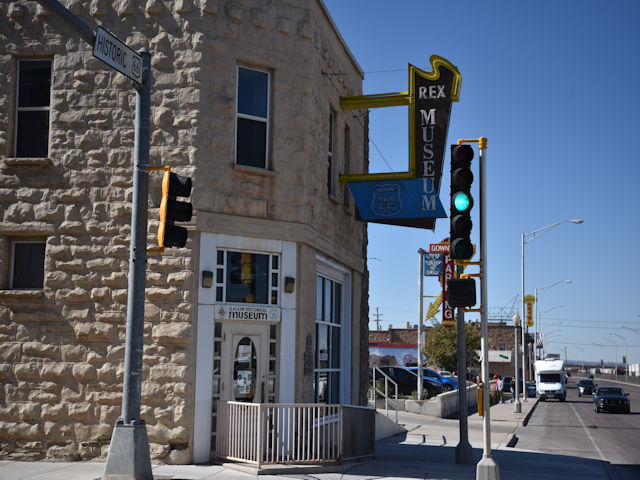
(374, 391)
(292, 433)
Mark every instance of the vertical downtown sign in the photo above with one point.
(448, 267)
(411, 198)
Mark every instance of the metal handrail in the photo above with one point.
(385, 394)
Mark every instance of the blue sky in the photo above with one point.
(554, 87)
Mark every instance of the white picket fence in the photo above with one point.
(293, 433)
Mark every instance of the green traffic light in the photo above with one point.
(461, 202)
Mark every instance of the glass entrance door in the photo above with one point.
(245, 360)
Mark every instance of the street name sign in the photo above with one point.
(117, 55)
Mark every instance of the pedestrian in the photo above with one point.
(500, 388)
(513, 389)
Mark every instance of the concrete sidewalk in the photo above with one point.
(426, 451)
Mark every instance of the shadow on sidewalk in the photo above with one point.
(395, 459)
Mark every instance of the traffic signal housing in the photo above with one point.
(461, 202)
(172, 210)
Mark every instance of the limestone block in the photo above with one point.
(77, 295)
(100, 294)
(163, 435)
(43, 397)
(82, 412)
(73, 353)
(5, 372)
(18, 213)
(158, 451)
(55, 372)
(180, 358)
(57, 279)
(94, 332)
(20, 430)
(109, 414)
(10, 353)
(29, 411)
(153, 393)
(75, 314)
(108, 398)
(182, 279)
(67, 453)
(258, 18)
(95, 358)
(171, 333)
(111, 317)
(163, 295)
(54, 412)
(115, 279)
(72, 228)
(115, 353)
(27, 371)
(120, 295)
(10, 412)
(153, 7)
(76, 265)
(47, 386)
(102, 264)
(234, 12)
(85, 372)
(39, 349)
(107, 373)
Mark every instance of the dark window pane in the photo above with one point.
(334, 388)
(218, 294)
(274, 279)
(219, 275)
(319, 298)
(220, 255)
(247, 277)
(274, 262)
(251, 143)
(28, 265)
(327, 301)
(337, 303)
(274, 297)
(253, 89)
(335, 347)
(33, 134)
(35, 83)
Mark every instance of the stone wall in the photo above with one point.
(62, 347)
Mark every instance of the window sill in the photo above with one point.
(22, 293)
(243, 169)
(27, 162)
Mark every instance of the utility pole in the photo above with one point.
(464, 452)
(378, 319)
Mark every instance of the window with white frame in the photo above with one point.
(252, 118)
(244, 277)
(330, 154)
(27, 264)
(33, 108)
(328, 340)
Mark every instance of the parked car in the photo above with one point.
(612, 399)
(586, 387)
(445, 373)
(447, 383)
(408, 381)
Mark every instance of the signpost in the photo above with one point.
(117, 55)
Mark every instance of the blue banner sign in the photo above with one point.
(432, 264)
(397, 202)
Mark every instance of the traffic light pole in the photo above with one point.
(128, 456)
(464, 451)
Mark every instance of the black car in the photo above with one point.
(407, 381)
(612, 399)
(586, 387)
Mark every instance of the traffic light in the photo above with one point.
(172, 210)
(461, 202)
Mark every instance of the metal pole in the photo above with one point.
(487, 468)
(128, 456)
(464, 452)
(421, 252)
(517, 407)
(536, 328)
(524, 322)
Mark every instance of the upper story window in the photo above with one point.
(27, 264)
(243, 277)
(252, 118)
(330, 154)
(32, 108)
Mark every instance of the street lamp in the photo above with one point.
(527, 238)
(517, 407)
(582, 350)
(537, 293)
(626, 356)
(616, 350)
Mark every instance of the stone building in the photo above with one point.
(267, 302)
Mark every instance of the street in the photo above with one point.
(573, 428)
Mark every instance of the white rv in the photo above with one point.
(550, 379)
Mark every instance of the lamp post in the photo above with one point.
(527, 238)
(517, 407)
(626, 354)
(615, 346)
(537, 293)
(582, 350)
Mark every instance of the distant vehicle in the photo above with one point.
(550, 380)
(448, 384)
(408, 381)
(586, 387)
(612, 399)
(445, 374)
(591, 375)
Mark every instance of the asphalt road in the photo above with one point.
(574, 428)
